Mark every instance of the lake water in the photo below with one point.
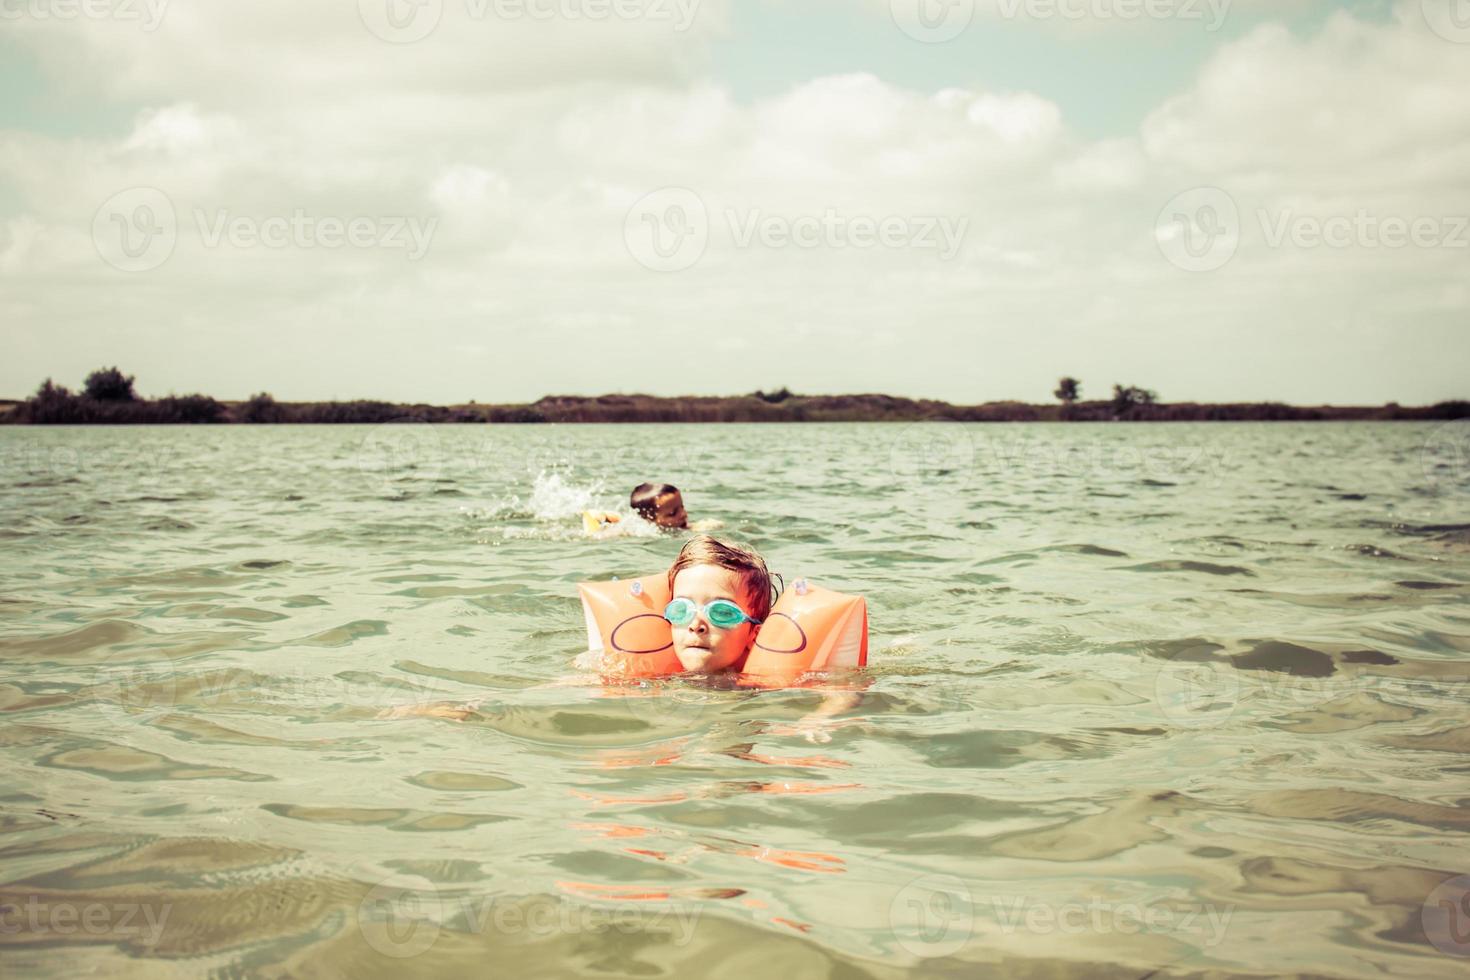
(1143, 701)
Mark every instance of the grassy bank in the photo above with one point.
(57, 406)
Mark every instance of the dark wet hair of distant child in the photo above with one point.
(660, 504)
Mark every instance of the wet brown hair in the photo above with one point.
(750, 567)
(645, 497)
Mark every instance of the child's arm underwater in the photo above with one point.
(464, 710)
(817, 724)
(446, 710)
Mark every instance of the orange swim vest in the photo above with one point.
(809, 629)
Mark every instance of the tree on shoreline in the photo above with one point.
(261, 408)
(1127, 399)
(110, 385)
(1068, 391)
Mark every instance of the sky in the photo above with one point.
(494, 200)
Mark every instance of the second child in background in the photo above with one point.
(660, 504)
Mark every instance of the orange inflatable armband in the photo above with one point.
(809, 629)
(626, 625)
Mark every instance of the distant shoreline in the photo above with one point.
(71, 409)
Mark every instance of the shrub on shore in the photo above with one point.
(109, 400)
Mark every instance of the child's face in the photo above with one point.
(701, 647)
(670, 511)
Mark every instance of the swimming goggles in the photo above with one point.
(722, 613)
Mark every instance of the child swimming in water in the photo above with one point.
(662, 505)
(659, 504)
(722, 593)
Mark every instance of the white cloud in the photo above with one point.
(272, 52)
(1016, 119)
(1354, 104)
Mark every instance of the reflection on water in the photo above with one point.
(1151, 700)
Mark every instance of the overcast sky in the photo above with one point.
(493, 200)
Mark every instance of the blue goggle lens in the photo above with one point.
(722, 613)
